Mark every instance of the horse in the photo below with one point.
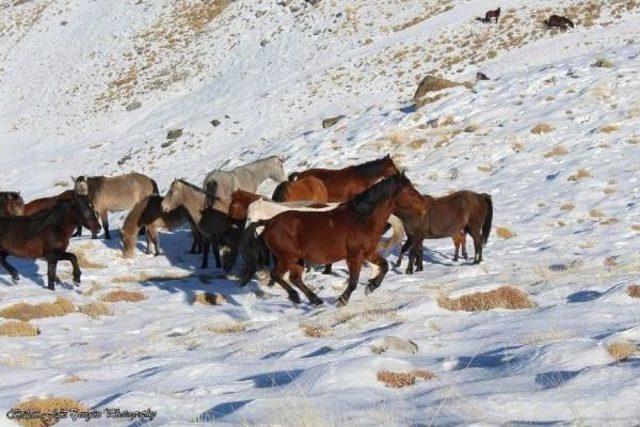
(11, 204)
(559, 21)
(209, 216)
(450, 216)
(239, 206)
(46, 235)
(221, 183)
(492, 14)
(304, 189)
(459, 241)
(114, 194)
(351, 231)
(343, 184)
(149, 214)
(45, 203)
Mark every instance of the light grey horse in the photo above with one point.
(248, 177)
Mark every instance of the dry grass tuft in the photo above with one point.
(18, 328)
(85, 262)
(581, 174)
(25, 311)
(207, 298)
(634, 291)
(47, 407)
(70, 379)
(557, 151)
(122, 295)
(403, 379)
(228, 328)
(95, 309)
(622, 350)
(613, 127)
(315, 331)
(541, 128)
(504, 297)
(567, 207)
(505, 233)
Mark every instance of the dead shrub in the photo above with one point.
(567, 207)
(622, 350)
(613, 127)
(557, 151)
(507, 297)
(122, 295)
(70, 379)
(634, 291)
(95, 309)
(228, 328)
(315, 331)
(505, 233)
(207, 298)
(579, 175)
(25, 311)
(403, 379)
(47, 407)
(541, 128)
(18, 328)
(85, 262)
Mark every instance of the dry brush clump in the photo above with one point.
(18, 328)
(47, 407)
(24, 311)
(633, 291)
(315, 331)
(505, 233)
(621, 350)
(122, 295)
(507, 297)
(95, 309)
(207, 298)
(542, 128)
(403, 379)
(84, 261)
(581, 174)
(227, 328)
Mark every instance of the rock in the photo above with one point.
(603, 63)
(260, 13)
(481, 76)
(433, 84)
(133, 106)
(215, 123)
(327, 123)
(397, 344)
(174, 134)
(264, 42)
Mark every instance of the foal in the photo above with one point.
(351, 232)
(46, 235)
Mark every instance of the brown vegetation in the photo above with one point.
(209, 298)
(557, 151)
(122, 295)
(315, 331)
(541, 128)
(229, 328)
(622, 350)
(504, 297)
(18, 328)
(579, 175)
(504, 232)
(634, 291)
(47, 407)
(403, 379)
(95, 309)
(25, 311)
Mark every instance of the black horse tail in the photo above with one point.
(486, 227)
(294, 176)
(278, 193)
(253, 249)
(155, 187)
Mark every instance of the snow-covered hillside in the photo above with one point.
(87, 87)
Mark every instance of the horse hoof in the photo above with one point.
(317, 301)
(15, 280)
(295, 298)
(342, 301)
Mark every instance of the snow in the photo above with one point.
(544, 365)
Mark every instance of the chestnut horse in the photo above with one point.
(351, 232)
(308, 189)
(344, 184)
(46, 235)
(450, 216)
(11, 204)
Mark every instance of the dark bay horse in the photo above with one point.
(351, 232)
(450, 216)
(46, 235)
(46, 203)
(11, 204)
(343, 184)
(557, 21)
(307, 189)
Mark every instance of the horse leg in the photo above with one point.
(295, 275)
(463, 243)
(68, 256)
(327, 269)
(477, 244)
(52, 264)
(383, 265)
(78, 232)
(456, 244)
(215, 247)
(11, 269)
(149, 243)
(205, 252)
(404, 249)
(355, 265)
(276, 276)
(420, 258)
(152, 233)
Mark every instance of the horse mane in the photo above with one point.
(370, 169)
(279, 192)
(365, 203)
(41, 220)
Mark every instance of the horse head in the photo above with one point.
(85, 214)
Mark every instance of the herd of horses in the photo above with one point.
(315, 217)
(554, 21)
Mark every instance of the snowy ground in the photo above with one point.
(249, 361)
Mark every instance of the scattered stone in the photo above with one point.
(174, 134)
(602, 63)
(133, 106)
(215, 123)
(397, 344)
(481, 76)
(327, 123)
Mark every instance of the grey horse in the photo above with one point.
(248, 177)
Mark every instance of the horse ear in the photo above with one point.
(73, 178)
(281, 158)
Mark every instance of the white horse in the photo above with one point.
(248, 177)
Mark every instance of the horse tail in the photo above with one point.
(396, 237)
(486, 227)
(155, 187)
(279, 192)
(293, 176)
(252, 247)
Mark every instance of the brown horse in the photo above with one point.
(114, 194)
(459, 241)
(307, 189)
(46, 203)
(559, 22)
(46, 235)
(450, 216)
(149, 214)
(11, 204)
(239, 206)
(492, 14)
(343, 184)
(351, 232)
